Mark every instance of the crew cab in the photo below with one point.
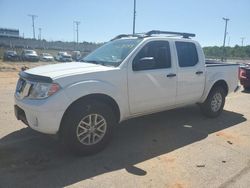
(130, 76)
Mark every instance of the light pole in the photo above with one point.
(40, 34)
(33, 23)
(77, 24)
(228, 43)
(224, 41)
(242, 41)
(134, 17)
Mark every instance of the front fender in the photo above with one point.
(84, 88)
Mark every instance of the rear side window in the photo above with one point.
(187, 54)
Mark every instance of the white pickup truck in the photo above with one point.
(127, 77)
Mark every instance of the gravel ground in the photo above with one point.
(178, 148)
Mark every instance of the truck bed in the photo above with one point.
(216, 70)
(214, 63)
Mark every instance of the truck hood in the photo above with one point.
(67, 69)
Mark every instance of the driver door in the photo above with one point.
(152, 79)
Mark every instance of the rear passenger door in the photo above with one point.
(191, 73)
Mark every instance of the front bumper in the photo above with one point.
(42, 115)
(20, 114)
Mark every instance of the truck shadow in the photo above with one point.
(245, 91)
(39, 161)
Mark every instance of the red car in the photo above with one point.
(244, 76)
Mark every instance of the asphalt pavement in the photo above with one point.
(177, 148)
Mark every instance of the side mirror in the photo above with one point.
(144, 63)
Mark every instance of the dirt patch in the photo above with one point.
(7, 69)
(225, 135)
(17, 66)
(179, 185)
(169, 160)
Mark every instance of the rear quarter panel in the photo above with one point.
(214, 73)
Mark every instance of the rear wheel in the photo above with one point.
(214, 103)
(88, 127)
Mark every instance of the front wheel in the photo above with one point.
(88, 127)
(214, 103)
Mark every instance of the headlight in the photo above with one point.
(43, 90)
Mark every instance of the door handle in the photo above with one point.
(171, 75)
(199, 72)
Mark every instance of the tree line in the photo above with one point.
(236, 52)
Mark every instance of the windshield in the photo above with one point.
(112, 53)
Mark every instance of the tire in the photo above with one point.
(214, 104)
(76, 123)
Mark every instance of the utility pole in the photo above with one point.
(228, 42)
(134, 17)
(33, 23)
(224, 41)
(40, 34)
(77, 24)
(242, 41)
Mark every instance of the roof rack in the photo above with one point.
(155, 32)
(158, 32)
(126, 35)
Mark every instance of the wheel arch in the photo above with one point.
(98, 97)
(220, 83)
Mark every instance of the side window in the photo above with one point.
(187, 54)
(154, 55)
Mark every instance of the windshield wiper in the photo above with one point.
(93, 61)
(98, 62)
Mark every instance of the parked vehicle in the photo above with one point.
(29, 55)
(127, 77)
(10, 55)
(63, 57)
(76, 55)
(46, 57)
(244, 76)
